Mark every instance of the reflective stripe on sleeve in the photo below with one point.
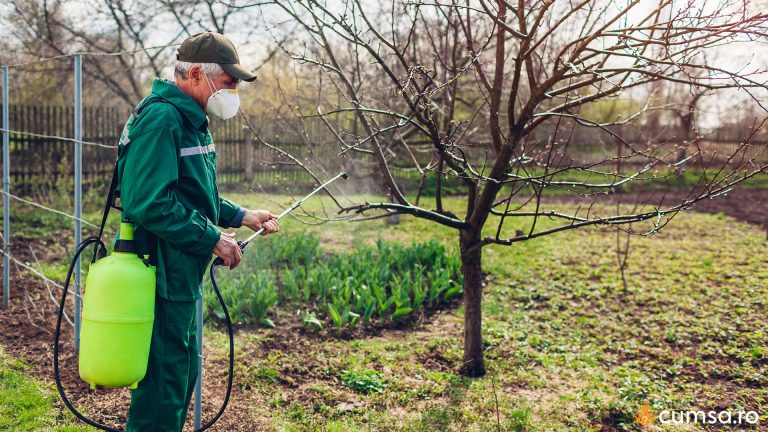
(191, 151)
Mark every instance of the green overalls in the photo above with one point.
(167, 183)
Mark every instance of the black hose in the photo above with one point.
(80, 248)
(215, 418)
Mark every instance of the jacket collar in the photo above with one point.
(185, 104)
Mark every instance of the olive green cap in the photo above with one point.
(212, 47)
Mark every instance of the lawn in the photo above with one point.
(26, 404)
(568, 349)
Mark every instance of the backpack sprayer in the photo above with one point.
(118, 312)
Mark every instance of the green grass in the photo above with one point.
(27, 405)
(365, 381)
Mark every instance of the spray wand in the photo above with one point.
(242, 244)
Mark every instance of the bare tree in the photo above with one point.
(492, 92)
(45, 28)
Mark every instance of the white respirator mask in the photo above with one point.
(222, 103)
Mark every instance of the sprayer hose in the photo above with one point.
(80, 248)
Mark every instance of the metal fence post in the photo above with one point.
(7, 190)
(199, 383)
(78, 185)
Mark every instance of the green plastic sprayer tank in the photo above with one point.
(118, 312)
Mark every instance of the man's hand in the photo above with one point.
(228, 250)
(258, 219)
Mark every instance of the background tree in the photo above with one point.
(147, 32)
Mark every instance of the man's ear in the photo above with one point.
(195, 75)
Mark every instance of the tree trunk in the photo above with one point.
(686, 132)
(471, 268)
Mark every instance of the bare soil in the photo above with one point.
(746, 205)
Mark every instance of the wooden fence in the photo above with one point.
(36, 159)
(37, 162)
(40, 159)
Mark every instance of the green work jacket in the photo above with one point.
(167, 183)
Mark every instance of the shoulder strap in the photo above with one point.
(114, 193)
(147, 102)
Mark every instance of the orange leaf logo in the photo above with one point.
(644, 416)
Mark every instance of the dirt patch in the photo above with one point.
(746, 205)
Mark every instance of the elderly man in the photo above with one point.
(167, 182)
